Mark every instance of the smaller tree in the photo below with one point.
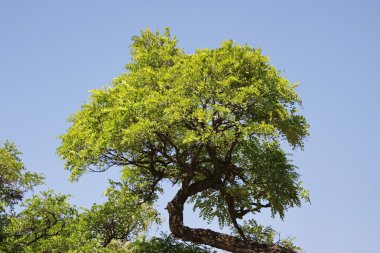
(47, 222)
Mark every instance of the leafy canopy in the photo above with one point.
(217, 115)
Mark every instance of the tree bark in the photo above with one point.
(207, 236)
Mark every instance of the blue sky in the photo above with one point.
(53, 52)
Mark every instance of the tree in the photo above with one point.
(212, 123)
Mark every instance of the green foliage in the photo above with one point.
(165, 244)
(289, 244)
(266, 235)
(121, 218)
(47, 222)
(258, 233)
(15, 180)
(217, 115)
(44, 224)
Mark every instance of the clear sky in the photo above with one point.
(53, 52)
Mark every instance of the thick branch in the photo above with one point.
(207, 236)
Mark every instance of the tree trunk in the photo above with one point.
(207, 236)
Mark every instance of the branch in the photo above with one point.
(206, 236)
